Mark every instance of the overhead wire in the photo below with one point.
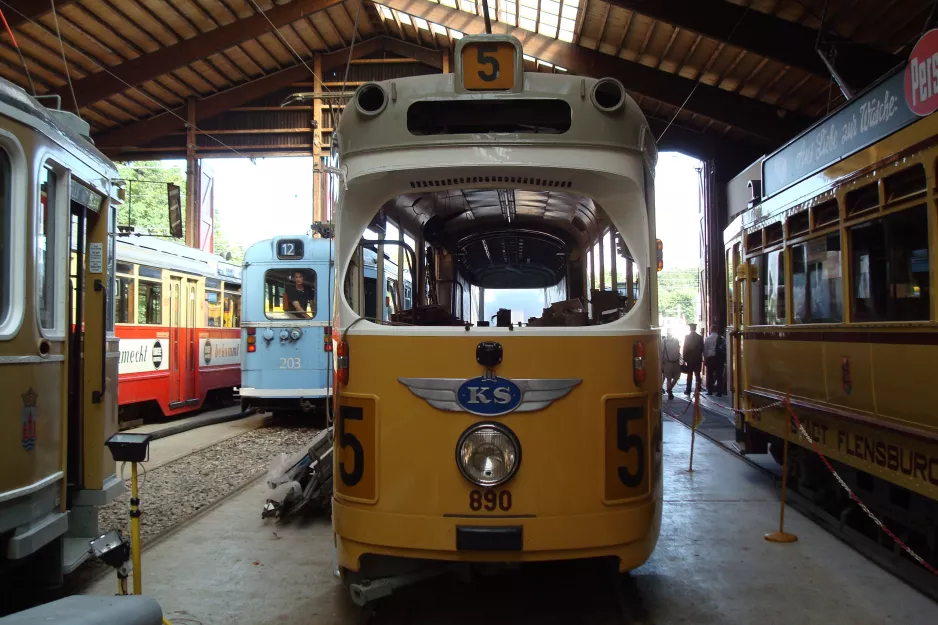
(29, 76)
(107, 70)
(321, 85)
(703, 71)
(68, 73)
(330, 415)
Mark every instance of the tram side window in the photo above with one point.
(213, 303)
(290, 294)
(125, 299)
(150, 303)
(6, 235)
(45, 244)
(816, 281)
(232, 316)
(889, 261)
(768, 292)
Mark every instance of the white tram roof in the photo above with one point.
(155, 252)
(60, 126)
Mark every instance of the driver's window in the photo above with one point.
(290, 294)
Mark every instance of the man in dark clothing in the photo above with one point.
(693, 356)
(713, 359)
(298, 296)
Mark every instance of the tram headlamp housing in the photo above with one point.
(488, 454)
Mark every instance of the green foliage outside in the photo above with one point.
(147, 208)
(677, 292)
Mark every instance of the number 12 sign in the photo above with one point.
(488, 65)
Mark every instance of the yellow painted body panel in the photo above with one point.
(38, 479)
(21, 466)
(908, 461)
(416, 497)
(863, 387)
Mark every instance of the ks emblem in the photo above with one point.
(489, 395)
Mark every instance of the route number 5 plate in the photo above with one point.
(488, 65)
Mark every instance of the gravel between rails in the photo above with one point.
(172, 493)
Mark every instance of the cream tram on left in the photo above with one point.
(58, 351)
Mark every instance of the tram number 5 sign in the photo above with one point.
(355, 448)
(626, 458)
(488, 65)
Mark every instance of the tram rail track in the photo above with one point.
(187, 484)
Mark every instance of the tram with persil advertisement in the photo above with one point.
(832, 305)
(515, 390)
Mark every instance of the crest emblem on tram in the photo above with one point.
(489, 395)
(28, 417)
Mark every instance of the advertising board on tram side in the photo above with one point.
(905, 460)
(902, 97)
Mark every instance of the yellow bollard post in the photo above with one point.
(781, 536)
(695, 419)
(135, 530)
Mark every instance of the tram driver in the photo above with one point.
(298, 295)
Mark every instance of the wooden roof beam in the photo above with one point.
(769, 122)
(767, 35)
(149, 66)
(20, 12)
(139, 134)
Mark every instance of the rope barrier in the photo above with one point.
(853, 496)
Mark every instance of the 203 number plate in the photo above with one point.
(490, 500)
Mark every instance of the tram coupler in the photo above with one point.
(304, 479)
(369, 590)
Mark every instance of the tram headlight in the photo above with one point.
(488, 454)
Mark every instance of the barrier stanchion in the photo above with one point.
(695, 421)
(781, 536)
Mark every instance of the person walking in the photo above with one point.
(693, 357)
(670, 362)
(711, 360)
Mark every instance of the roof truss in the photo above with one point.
(769, 122)
(767, 35)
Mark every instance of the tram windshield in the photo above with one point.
(492, 257)
(290, 293)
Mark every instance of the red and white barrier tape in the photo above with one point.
(804, 434)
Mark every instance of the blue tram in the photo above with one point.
(286, 328)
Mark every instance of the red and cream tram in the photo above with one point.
(178, 313)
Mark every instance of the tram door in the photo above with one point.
(736, 295)
(183, 339)
(75, 327)
(86, 317)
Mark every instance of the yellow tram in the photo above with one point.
(58, 351)
(833, 275)
(507, 408)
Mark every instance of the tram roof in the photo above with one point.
(57, 125)
(314, 249)
(401, 124)
(760, 77)
(155, 252)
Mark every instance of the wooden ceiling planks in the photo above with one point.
(113, 33)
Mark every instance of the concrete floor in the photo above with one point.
(165, 450)
(711, 566)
